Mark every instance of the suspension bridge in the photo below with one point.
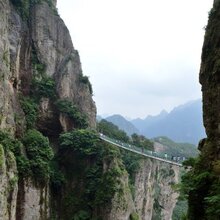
(144, 152)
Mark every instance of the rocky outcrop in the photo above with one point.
(34, 35)
(122, 204)
(54, 48)
(49, 38)
(204, 177)
(154, 196)
(8, 185)
(33, 203)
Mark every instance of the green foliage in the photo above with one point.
(108, 185)
(81, 157)
(30, 109)
(131, 162)
(39, 154)
(190, 162)
(43, 86)
(180, 149)
(83, 141)
(112, 131)
(15, 146)
(142, 142)
(192, 181)
(57, 178)
(85, 80)
(213, 203)
(134, 216)
(23, 7)
(180, 210)
(1, 156)
(81, 215)
(9, 143)
(201, 187)
(23, 164)
(68, 108)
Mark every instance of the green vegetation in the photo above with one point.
(81, 157)
(180, 149)
(112, 131)
(12, 145)
(39, 154)
(132, 164)
(134, 216)
(81, 215)
(201, 186)
(142, 142)
(30, 109)
(180, 210)
(38, 151)
(43, 86)
(57, 178)
(1, 156)
(82, 141)
(69, 109)
(85, 80)
(130, 160)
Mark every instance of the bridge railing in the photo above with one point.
(164, 156)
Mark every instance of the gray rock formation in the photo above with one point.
(8, 185)
(45, 33)
(154, 196)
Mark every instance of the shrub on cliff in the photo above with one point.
(83, 141)
(30, 109)
(69, 109)
(43, 87)
(39, 154)
(97, 168)
(112, 131)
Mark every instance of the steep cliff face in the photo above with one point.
(8, 185)
(35, 44)
(54, 48)
(154, 196)
(203, 180)
(40, 44)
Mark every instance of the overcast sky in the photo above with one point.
(142, 56)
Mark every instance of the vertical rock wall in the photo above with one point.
(154, 196)
(8, 185)
(44, 32)
(204, 196)
(54, 48)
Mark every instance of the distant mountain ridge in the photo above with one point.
(123, 124)
(149, 120)
(183, 124)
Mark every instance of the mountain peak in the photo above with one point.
(183, 123)
(123, 124)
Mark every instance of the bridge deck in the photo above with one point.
(137, 150)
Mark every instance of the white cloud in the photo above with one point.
(141, 55)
